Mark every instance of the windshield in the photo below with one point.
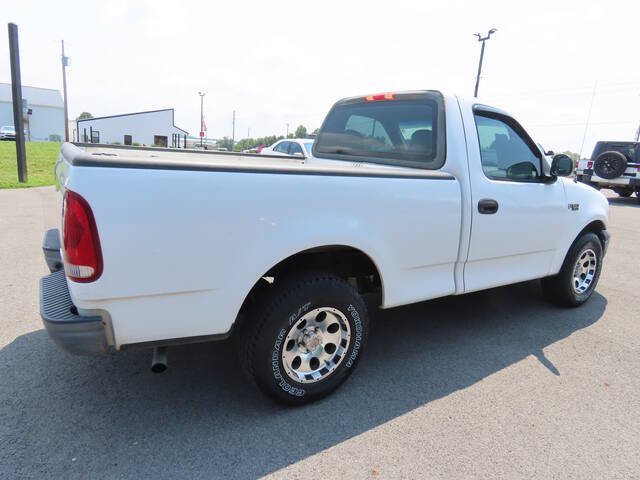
(308, 147)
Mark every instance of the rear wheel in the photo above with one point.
(305, 338)
(579, 275)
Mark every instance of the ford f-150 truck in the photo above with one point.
(407, 197)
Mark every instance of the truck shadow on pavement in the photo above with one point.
(624, 202)
(75, 417)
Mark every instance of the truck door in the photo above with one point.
(517, 213)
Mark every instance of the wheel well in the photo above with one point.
(347, 262)
(597, 227)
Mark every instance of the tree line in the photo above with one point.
(249, 143)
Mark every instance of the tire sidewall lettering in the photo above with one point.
(275, 365)
(357, 341)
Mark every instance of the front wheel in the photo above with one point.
(305, 338)
(579, 275)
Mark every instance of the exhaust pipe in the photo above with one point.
(160, 359)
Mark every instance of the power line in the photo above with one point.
(593, 96)
(580, 124)
(603, 87)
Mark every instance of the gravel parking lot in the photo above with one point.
(492, 384)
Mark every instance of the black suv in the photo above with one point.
(614, 165)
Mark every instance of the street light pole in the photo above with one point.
(201, 116)
(287, 130)
(481, 39)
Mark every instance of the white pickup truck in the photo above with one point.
(410, 196)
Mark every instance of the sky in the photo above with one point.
(285, 62)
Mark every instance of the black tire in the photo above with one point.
(263, 335)
(559, 289)
(626, 193)
(610, 165)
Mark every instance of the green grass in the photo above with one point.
(41, 157)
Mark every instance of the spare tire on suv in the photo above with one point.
(610, 164)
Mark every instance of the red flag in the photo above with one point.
(204, 125)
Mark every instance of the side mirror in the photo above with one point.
(561, 165)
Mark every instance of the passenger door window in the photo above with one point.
(506, 153)
(282, 147)
(295, 148)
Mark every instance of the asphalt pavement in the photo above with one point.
(495, 384)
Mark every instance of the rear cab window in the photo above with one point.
(396, 129)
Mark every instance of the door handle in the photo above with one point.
(487, 206)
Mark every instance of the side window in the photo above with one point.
(504, 152)
(282, 147)
(418, 135)
(295, 148)
(369, 130)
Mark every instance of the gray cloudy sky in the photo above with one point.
(284, 62)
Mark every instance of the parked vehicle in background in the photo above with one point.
(301, 147)
(8, 132)
(168, 247)
(613, 165)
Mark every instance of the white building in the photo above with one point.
(43, 112)
(155, 127)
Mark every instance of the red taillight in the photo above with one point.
(81, 246)
(379, 97)
(589, 165)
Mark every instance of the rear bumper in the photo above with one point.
(75, 333)
(587, 176)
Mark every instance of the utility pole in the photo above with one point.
(16, 93)
(201, 116)
(233, 132)
(65, 63)
(287, 130)
(248, 133)
(481, 39)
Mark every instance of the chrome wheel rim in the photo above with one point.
(584, 271)
(316, 345)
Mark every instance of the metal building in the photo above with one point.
(43, 112)
(154, 127)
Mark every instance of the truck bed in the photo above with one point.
(115, 156)
(194, 231)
